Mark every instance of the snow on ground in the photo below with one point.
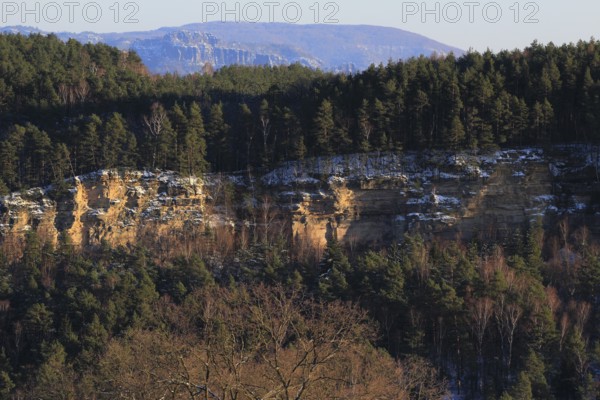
(444, 175)
(579, 207)
(407, 167)
(338, 169)
(545, 198)
(446, 201)
(435, 199)
(419, 201)
(432, 217)
(556, 169)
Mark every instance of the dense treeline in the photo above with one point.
(517, 320)
(67, 108)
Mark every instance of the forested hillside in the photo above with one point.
(255, 313)
(264, 318)
(68, 108)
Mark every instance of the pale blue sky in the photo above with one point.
(557, 21)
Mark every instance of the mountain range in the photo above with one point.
(189, 48)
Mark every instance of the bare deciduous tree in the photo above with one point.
(480, 312)
(155, 123)
(259, 343)
(82, 91)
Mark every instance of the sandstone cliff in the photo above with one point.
(373, 198)
(110, 206)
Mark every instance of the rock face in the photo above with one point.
(379, 198)
(109, 206)
(359, 199)
(187, 52)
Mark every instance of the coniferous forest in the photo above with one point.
(68, 108)
(517, 319)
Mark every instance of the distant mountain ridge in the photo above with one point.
(338, 48)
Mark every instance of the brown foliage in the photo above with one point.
(258, 343)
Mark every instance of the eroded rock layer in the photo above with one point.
(359, 199)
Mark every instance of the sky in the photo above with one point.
(466, 24)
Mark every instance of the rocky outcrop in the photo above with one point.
(188, 52)
(112, 206)
(379, 198)
(359, 199)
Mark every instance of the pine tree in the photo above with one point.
(219, 134)
(265, 130)
(160, 138)
(6, 385)
(93, 339)
(536, 371)
(418, 108)
(179, 124)
(502, 118)
(522, 388)
(247, 123)
(29, 274)
(548, 113)
(365, 127)
(61, 166)
(55, 378)
(535, 240)
(3, 188)
(456, 135)
(588, 277)
(35, 154)
(299, 148)
(291, 134)
(382, 123)
(323, 126)
(589, 106)
(576, 365)
(90, 146)
(167, 159)
(193, 153)
(9, 158)
(519, 113)
(336, 271)
(119, 145)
